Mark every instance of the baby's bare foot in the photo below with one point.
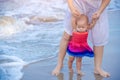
(102, 73)
(80, 73)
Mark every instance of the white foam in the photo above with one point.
(10, 73)
(11, 70)
(10, 29)
(15, 61)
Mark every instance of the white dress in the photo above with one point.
(97, 35)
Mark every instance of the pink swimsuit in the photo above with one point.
(78, 46)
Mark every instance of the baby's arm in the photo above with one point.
(92, 24)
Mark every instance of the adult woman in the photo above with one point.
(95, 10)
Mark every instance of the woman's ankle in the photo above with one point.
(101, 72)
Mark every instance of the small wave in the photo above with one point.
(11, 61)
(11, 73)
(10, 26)
(11, 4)
(10, 67)
(38, 20)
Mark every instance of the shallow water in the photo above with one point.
(31, 33)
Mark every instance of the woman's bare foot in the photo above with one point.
(101, 72)
(57, 69)
(80, 73)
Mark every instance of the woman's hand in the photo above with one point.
(75, 13)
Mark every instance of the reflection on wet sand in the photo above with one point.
(98, 77)
(61, 76)
(79, 77)
(70, 76)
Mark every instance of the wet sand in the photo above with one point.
(42, 70)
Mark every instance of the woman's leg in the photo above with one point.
(62, 51)
(98, 50)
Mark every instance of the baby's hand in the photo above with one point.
(92, 24)
(96, 16)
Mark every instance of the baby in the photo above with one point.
(78, 46)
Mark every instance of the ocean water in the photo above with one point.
(30, 31)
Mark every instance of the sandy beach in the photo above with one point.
(42, 70)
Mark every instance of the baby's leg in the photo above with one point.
(78, 66)
(70, 62)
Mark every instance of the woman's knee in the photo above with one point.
(66, 36)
